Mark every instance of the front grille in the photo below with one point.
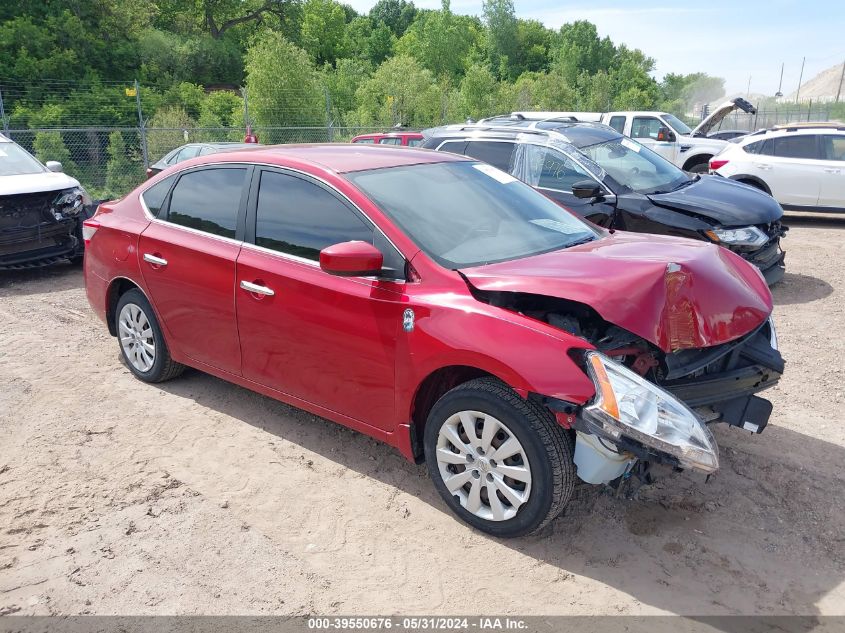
(26, 210)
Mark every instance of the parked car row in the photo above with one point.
(447, 307)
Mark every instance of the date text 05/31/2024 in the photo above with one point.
(418, 623)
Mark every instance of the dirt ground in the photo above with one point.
(198, 496)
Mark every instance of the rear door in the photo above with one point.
(792, 167)
(832, 190)
(327, 340)
(188, 262)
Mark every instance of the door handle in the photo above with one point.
(831, 170)
(257, 289)
(762, 166)
(156, 261)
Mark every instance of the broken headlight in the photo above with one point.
(745, 236)
(70, 202)
(628, 404)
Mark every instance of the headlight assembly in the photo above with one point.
(70, 202)
(627, 404)
(745, 236)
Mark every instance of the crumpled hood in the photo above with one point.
(673, 292)
(36, 183)
(727, 202)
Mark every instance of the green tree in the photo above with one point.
(441, 41)
(578, 49)
(478, 90)
(400, 92)
(396, 14)
(502, 32)
(323, 30)
(342, 83)
(169, 128)
(123, 172)
(283, 86)
(532, 47)
(51, 146)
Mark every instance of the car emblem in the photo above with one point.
(408, 320)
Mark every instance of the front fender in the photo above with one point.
(528, 355)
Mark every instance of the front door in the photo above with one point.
(327, 340)
(646, 130)
(553, 173)
(188, 264)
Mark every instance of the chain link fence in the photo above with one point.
(111, 161)
(778, 115)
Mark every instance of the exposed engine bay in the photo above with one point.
(718, 383)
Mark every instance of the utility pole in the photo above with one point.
(838, 90)
(800, 78)
(142, 126)
(779, 93)
(748, 89)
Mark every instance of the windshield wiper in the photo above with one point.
(589, 238)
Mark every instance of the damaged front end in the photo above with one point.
(653, 405)
(41, 228)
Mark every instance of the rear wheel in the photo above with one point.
(699, 168)
(141, 342)
(501, 463)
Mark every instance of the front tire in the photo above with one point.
(501, 463)
(141, 342)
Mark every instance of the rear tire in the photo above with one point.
(140, 339)
(699, 168)
(520, 481)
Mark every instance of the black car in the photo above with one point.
(728, 135)
(41, 211)
(192, 150)
(615, 182)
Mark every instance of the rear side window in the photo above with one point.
(392, 140)
(208, 200)
(618, 123)
(833, 147)
(492, 152)
(797, 146)
(191, 151)
(754, 148)
(413, 142)
(364, 140)
(456, 147)
(154, 196)
(300, 218)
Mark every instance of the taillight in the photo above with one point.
(89, 227)
(717, 163)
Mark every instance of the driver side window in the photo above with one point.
(645, 127)
(545, 167)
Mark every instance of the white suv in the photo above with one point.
(801, 165)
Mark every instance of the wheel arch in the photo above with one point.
(118, 287)
(697, 159)
(754, 181)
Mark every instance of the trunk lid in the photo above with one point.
(675, 293)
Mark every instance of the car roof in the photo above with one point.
(337, 157)
(577, 133)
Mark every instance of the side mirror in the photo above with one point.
(54, 165)
(666, 135)
(352, 259)
(586, 189)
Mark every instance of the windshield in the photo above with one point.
(15, 161)
(636, 167)
(679, 126)
(466, 214)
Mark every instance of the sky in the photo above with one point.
(731, 39)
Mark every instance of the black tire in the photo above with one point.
(753, 183)
(547, 446)
(699, 168)
(163, 366)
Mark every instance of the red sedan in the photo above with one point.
(405, 139)
(443, 307)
